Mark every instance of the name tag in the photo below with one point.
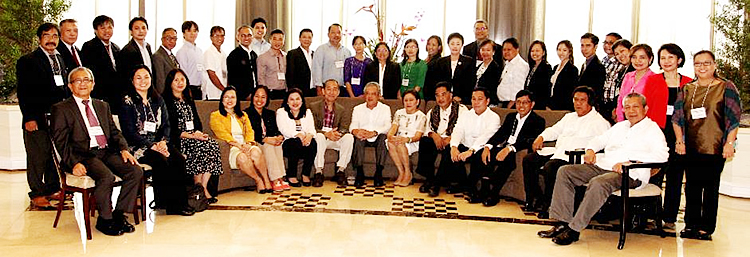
(59, 81)
(405, 82)
(339, 64)
(96, 131)
(356, 81)
(670, 109)
(239, 138)
(512, 139)
(280, 76)
(189, 125)
(224, 74)
(698, 113)
(149, 126)
(326, 129)
(200, 67)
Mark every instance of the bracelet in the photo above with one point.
(679, 143)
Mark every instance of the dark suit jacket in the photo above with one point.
(562, 97)
(533, 126)
(37, 91)
(162, 65)
(241, 71)
(71, 136)
(463, 79)
(430, 80)
(109, 86)
(472, 50)
(129, 57)
(297, 70)
(593, 76)
(540, 85)
(490, 79)
(341, 120)
(391, 78)
(67, 56)
(268, 117)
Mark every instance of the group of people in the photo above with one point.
(619, 107)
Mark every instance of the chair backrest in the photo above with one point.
(55, 154)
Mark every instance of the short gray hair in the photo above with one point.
(372, 84)
(79, 69)
(640, 97)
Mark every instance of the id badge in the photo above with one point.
(224, 74)
(326, 129)
(339, 64)
(670, 110)
(149, 126)
(239, 138)
(698, 113)
(189, 125)
(96, 131)
(280, 76)
(356, 81)
(405, 82)
(59, 81)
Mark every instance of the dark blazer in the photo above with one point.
(133, 105)
(593, 76)
(241, 71)
(297, 70)
(463, 79)
(71, 136)
(268, 117)
(174, 128)
(67, 56)
(429, 80)
(162, 65)
(341, 119)
(130, 56)
(37, 91)
(109, 86)
(391, 77)
(490, 80)
(567, 80)
(472, 50)
(540, 85)
(532, 127)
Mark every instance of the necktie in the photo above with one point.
(583, 68)
(55, 65)
(75, 56)
(93, 122)
(174, 60)
(111, 57)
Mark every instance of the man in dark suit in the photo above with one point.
(298, 62)
(241, 65)
(68, 51)
(332, 124)
(481, 33)
(90, 144)
(499, 154)
(164, 60)
(136, 52)
(41, 76)
(593, 72)
(99, 55)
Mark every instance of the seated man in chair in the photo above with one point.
(90, 144)
(636, 139)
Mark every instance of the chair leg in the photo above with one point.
(624, 219)
(143, 198)
(60, 204)
(659, 226)
(86, 209)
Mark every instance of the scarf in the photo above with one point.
(452, 118)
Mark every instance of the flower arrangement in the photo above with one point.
(398, 33)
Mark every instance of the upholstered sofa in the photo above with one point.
(232, 179)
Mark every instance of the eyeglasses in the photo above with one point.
(704, 64)
(170, 38)
(77, 82)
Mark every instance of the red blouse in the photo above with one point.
(657, 95)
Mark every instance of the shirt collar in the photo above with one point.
(55, 52)
(167, 50)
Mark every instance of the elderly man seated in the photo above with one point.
(636, 139)
(370, 123)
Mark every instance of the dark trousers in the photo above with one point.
(40, 170)
(277, 94)
(170, 180)
(535, 165)
(293, 151)
(195, 92)
(495, 173)
(674, 172)
(703, 174)
(428, 152)
(456, 171)
(358, 155)
(103, 169)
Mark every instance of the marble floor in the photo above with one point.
(332, 221)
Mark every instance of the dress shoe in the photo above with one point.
(453, 189)
(378, 181)
(340, 178)
(475, 198)
(425, 187)
(55, 196)
(543, 215)
(213, 200)
(435, 191)
(108, 227)
(182, 212)
(568, 236)
(552, 232)
(125, 226)
(40, 202)
(689, 233)
(491, 201)
(359, 181)
(703, 235)
(318, 180)
(294, 184)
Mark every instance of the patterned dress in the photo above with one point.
(201, 156)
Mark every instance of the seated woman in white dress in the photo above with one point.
(403, 137)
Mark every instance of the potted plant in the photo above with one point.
(732, 22)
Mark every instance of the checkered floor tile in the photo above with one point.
(424, 206)
(297, 200)
(366, 191)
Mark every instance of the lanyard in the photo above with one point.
(692, 99)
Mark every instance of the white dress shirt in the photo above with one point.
(190, 58)
(474, 130)
(573, 132)
(260, 46)
(444, 120)
(288, 127)
(73, 50)
(309, 59)
(643, 141)
(512, 79)
(82, 109)
(377, 119)
(217, 62)
(144, 54)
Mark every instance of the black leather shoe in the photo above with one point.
(435, 191)
(568, 236)
(213, 200)
(491, 201)
(125, 226)
(108, 226)
(182, 212)
(425, 187)
(453, 189)
(359, 181)
(340, 178)
(552, 232)
(543, 215)
(318, 180)
(378, 181)
(689, 233)
(703, 235)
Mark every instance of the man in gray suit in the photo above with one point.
(164, 60)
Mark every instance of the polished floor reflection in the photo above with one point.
(328, 222)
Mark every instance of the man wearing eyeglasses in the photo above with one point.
(481, 33)
(164, 60)
(41, 83)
